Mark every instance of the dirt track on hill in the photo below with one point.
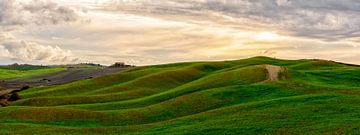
(273, 72)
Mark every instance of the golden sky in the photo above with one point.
(143, 32)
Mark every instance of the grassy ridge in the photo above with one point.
(231, 97)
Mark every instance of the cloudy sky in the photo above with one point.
(145, 32)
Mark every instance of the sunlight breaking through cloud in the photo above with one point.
(149, 31)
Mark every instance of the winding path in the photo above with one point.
(273, 72)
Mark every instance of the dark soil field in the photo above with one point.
(10, 86)
(61, 77)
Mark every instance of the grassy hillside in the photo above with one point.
(230, 97)
(6, 72)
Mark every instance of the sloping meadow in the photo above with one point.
(229, 97)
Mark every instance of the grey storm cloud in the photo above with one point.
(325, 19)
(16, 14)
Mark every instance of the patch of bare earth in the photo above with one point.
(273, 72)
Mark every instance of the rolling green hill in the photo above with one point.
(248, 96)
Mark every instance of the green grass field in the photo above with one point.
(229, 97)
(6, 72)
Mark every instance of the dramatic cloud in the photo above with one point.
(15, 15)
(152, 31)
(16, 12)
(28, 51)
(328, 19)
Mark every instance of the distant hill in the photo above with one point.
(259, 95)
(23, 67)
(26, 70)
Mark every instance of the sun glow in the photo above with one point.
(266, 36)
